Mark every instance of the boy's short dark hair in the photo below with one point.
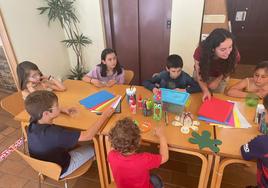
(265, 102)
(174, 61)
(262, 65)
(38, 102)
(125, 136)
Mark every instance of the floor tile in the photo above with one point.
(11, 181)
(12, 167)
(7, 131)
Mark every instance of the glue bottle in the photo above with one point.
(140, 103)
(133, 107)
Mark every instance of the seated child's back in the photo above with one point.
(257, 149)
(131, 169)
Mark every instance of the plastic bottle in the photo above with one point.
(133, 107)
(140, 103)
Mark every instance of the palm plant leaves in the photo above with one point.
(77, 40)
(62, 10)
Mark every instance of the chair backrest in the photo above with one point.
(13, 103)
(49, 169)
(53, 170)
(129, 74)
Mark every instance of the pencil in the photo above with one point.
(166, 118)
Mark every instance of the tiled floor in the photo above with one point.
(180, 171)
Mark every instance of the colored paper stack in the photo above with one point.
(222, 113)
(100, 101)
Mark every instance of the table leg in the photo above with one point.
(226, 162)
(99, 161)
(204, 168)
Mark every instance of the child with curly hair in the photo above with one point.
(131, 169)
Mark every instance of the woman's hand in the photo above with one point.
(206, 95)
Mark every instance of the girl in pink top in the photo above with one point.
(108, 72)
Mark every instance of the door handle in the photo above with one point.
(168, 23)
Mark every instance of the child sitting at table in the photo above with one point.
(31, 79)
(130, 168)
(173, 78)
(54, 143)
(257, 84)
(257, 149)
(108, 72)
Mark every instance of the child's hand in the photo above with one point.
(97, 83)
(44, 78)
(111, 83)
(159, 131)
(156, 91)
(108, 112)
(181, 90)
(261, 93)
(69, 111)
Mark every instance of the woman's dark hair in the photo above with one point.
(215, 38)
(125, 136)
(23, 72)
(103, 67)
(262, 65)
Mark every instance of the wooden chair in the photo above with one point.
(129, 74)
(53, 170)
(13, 103)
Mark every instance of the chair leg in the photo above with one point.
(24, 144)
(65, 184)
(39, 180)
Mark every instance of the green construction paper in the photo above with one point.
(204, 141)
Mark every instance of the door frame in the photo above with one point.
(9, 51)
(107, 23)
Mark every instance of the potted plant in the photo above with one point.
(64, 12)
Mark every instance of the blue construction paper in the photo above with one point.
(174, 97)
(96, 99)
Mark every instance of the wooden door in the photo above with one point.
(139, 30)
(249, 24)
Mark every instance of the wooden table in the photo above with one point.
(77, 90)
(177, 141)
(232, 140)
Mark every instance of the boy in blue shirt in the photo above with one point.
(173, 78)
(257, 149)
(53, 143)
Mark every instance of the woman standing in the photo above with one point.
(215, 58)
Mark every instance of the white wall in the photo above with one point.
(31, 37)
(185, 30)
(90, 16)
(33, 40)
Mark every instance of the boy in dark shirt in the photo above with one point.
(257, 149)
(173, 78)
(53, 143)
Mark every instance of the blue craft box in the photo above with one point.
(174, 101)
